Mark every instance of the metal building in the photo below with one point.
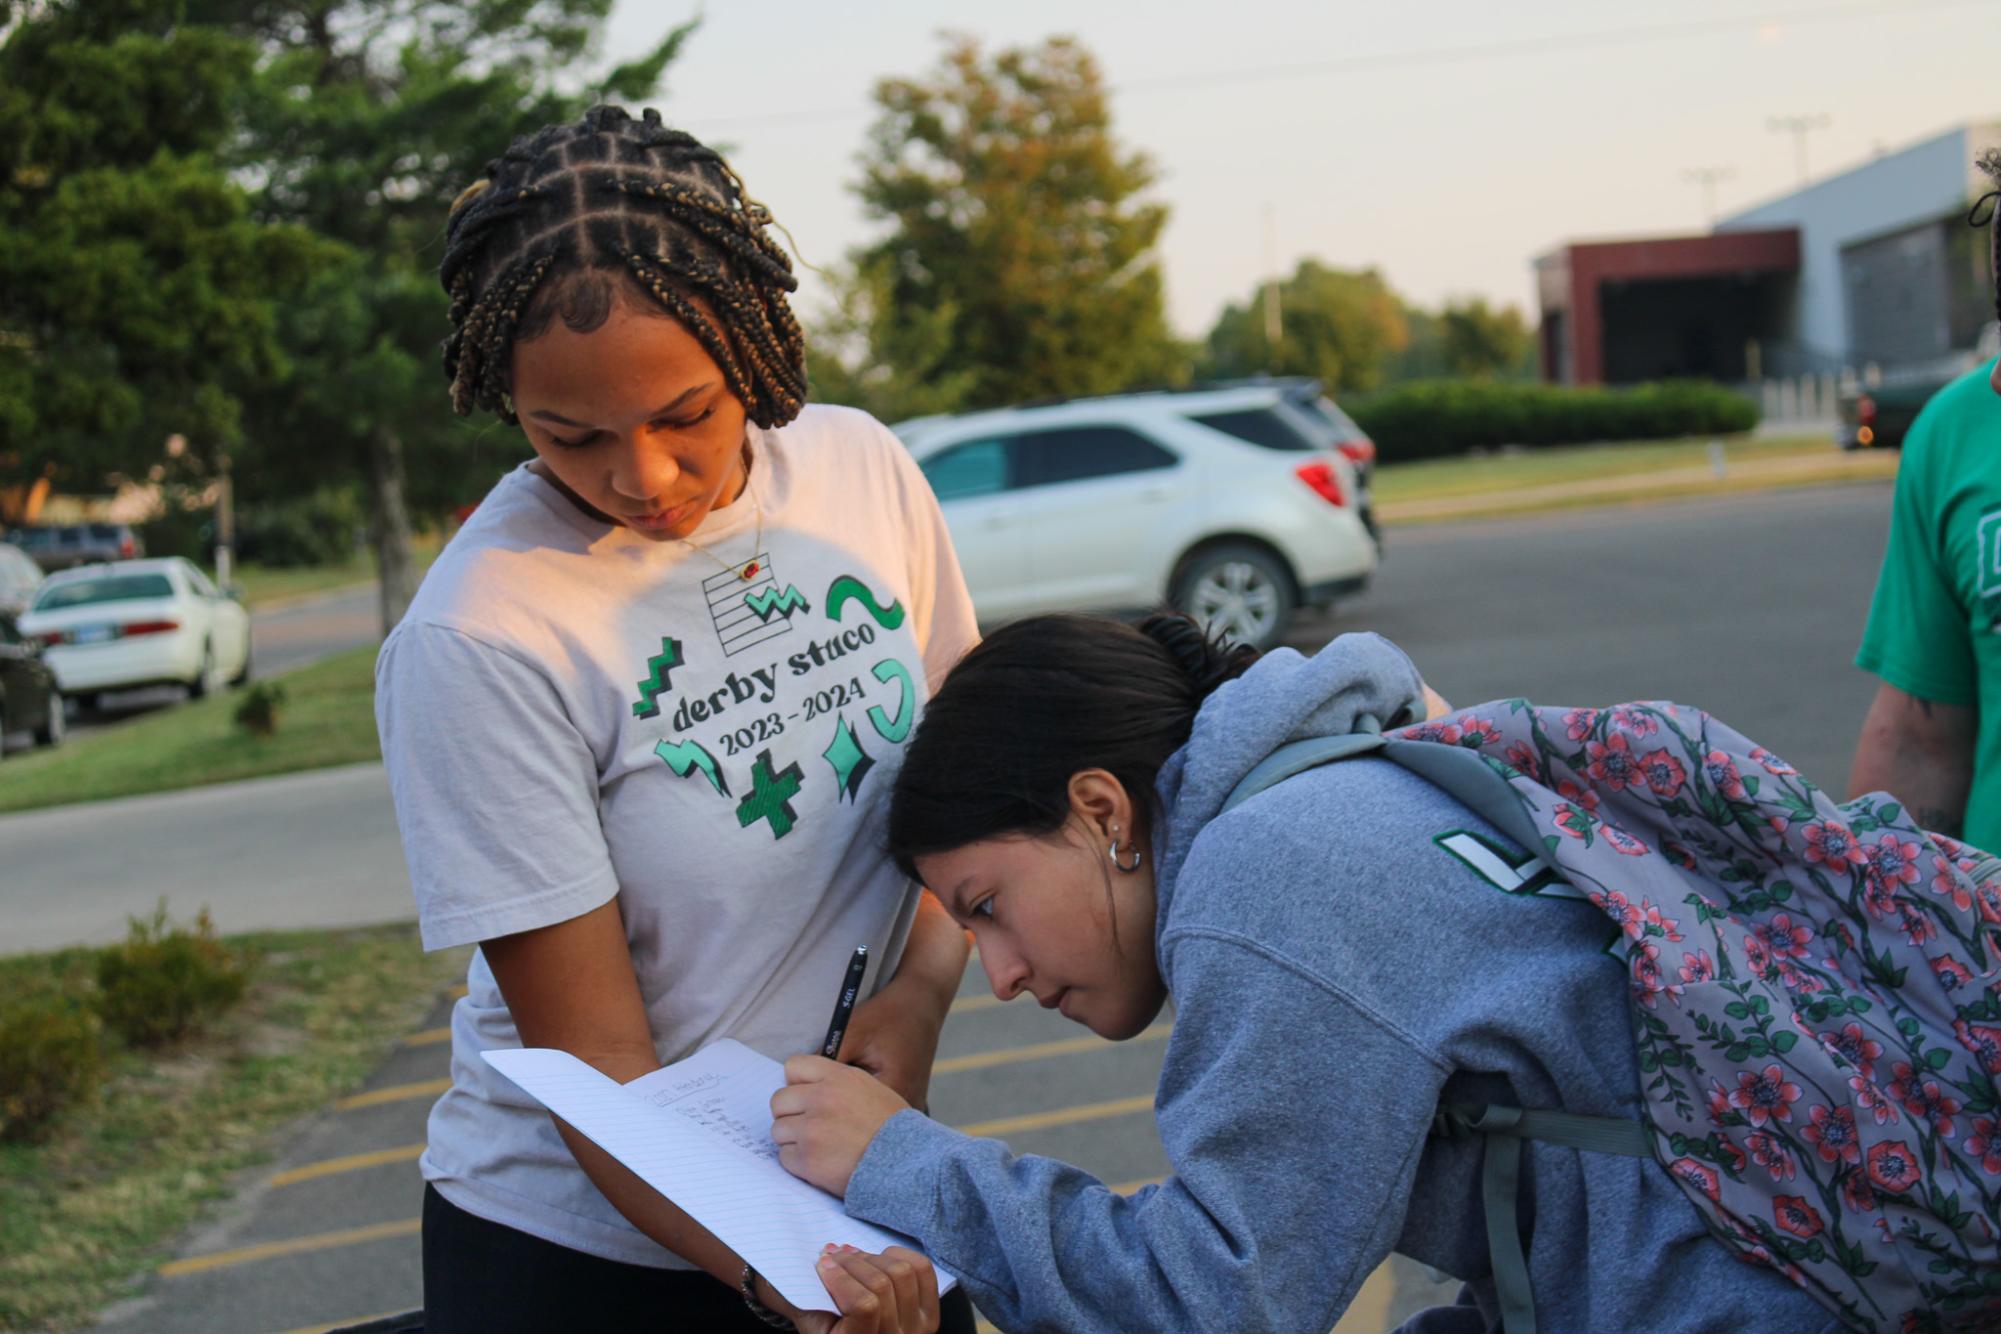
(1871, 268)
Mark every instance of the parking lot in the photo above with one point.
(1553, 607)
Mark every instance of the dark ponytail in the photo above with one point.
(1040, 700)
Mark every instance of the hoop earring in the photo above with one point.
(1114, 853)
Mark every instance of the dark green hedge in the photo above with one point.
(1437, 418)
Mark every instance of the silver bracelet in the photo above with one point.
(747, 1289)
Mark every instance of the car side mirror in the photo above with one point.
(234, 592)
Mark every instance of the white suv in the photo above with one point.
(1230, 503)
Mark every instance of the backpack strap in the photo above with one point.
(1467, 777)
(1504, 1129)
(1296, 757)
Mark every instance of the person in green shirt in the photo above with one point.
(1933, 733)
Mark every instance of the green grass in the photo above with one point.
(262, 586)
(1440, 479)
(328, 718)
(101, 1200)
(265, 585)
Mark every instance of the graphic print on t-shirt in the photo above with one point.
(748, 611)
(746, 734)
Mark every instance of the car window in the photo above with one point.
(108, 588)
(104, 532)
(1078, 453)
(975, 468)
(8, 633)
(1263, 427)
(198, 581)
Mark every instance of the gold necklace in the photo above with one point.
(748, 570)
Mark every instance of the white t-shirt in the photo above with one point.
(572, 712)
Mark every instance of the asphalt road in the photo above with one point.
(1749, 607)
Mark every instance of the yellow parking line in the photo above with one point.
(976, 1001)
(429, 1088)
(1062, 1116)
(458, 992)
(1062, 1047)
(341, 1325)
(354, 1162)
(353, 1236)
(425, 1039)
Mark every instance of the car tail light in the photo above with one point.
(1865, 410)
(52, 638)
(125, 549)
(1322, 478)
(1360, 451)
(149, 628)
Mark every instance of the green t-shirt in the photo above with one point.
(1935, 625)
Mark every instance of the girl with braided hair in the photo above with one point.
(641, 722)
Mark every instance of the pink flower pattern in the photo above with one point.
(1783, 931)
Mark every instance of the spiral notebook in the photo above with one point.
(699, 1132)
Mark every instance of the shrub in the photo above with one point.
(164, 982)
(318, 529)
(257, 714)
(1438, 418)
(51, 1055)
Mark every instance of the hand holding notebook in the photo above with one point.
(699, 1132)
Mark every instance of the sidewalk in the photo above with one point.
(312, 849)
(1869, 465)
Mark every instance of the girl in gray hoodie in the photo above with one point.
(1337, 971)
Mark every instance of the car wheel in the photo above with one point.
(1242, 591)
(51, 732)
(204, 683)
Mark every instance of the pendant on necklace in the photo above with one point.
(749, 571)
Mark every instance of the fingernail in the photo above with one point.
(828, 1249)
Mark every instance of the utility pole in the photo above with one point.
(1273, 329)
(1799, 127)
(1707, 177)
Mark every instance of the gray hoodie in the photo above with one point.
(1336, 970)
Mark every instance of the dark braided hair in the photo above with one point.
(1042, 699)
(1990, 162)
(567, 214)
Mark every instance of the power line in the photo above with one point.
(1437, 55)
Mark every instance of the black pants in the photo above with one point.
(483, 1278)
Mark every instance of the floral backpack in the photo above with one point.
(1817, 991)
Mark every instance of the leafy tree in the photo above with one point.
(370, 117)
(891, 361)
(1020, 258)
(138, 292)
(1481, 342)
(1344, 326)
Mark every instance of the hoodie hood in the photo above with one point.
(1284, 697)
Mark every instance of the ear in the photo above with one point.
(1102, 804)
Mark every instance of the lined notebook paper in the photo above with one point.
(699, 1132)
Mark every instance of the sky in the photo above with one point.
(1446, 143)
